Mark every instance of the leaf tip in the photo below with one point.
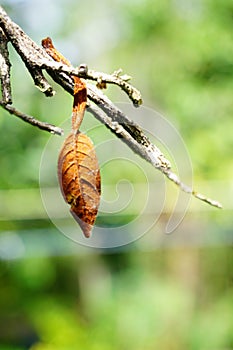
(85, 226)
(87, 229)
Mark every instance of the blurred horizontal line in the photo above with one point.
(23, 204)
(50, 242)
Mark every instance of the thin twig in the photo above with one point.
(121, 81)
(174, 178)
(31, 120)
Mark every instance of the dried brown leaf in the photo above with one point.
(78, 170)
(79, 179)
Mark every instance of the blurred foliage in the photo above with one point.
(180, 56)
(127, 301)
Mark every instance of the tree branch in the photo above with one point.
(128, 130)
(5, 69)
(31, 120)
(36, 60)
(115, 78)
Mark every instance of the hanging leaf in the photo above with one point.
(78, 170)
(79, 179)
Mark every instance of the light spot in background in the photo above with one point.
(11, 246)
(189, 10)
(81, 34)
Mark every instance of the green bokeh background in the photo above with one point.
(165, 292)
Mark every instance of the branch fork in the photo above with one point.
(37, 60)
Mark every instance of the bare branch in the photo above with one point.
(128, 130)
(174, 178)
(121, 81)
(5, 69)
(36, 60)
(31, 54)
(146, 150)
(31, 120)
